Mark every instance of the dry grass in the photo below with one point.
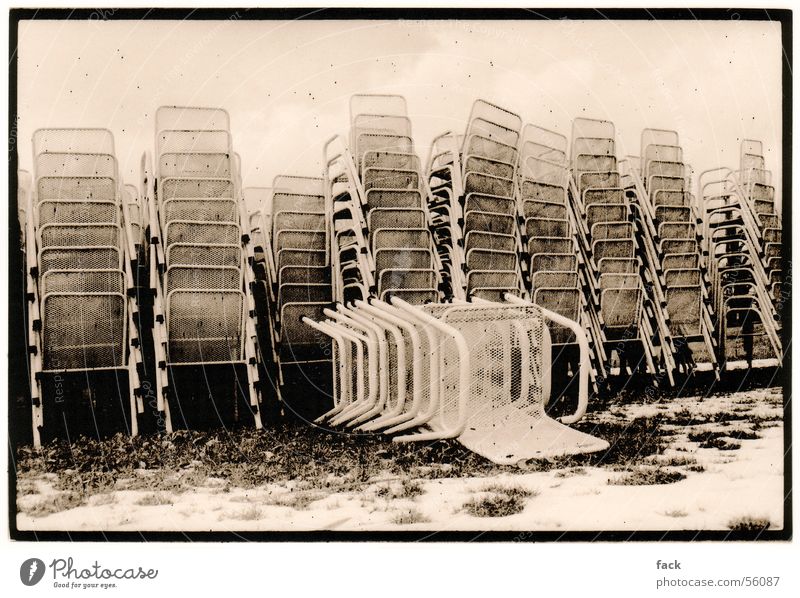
(252, 513)
(749, 524)
(155, 499)
(407, 488)
(409, 517)
(648, 476)
(55, 504)
(497, 500)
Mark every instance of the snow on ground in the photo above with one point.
(722, 483)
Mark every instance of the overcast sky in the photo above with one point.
(287, 84)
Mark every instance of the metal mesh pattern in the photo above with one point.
(396, 160)
(597, 213)
(182, 141)
(483, 240)
(202, 254)
(554, 261)
(298, 202)
(83, 331)
(618, 265)
(385, 178)
(403, 258)
(83, 281)
(540, 191)
(614, 248)
(301, 239)
(77, 212)
(494, 131)
(677, 230)
(592, 146)
(486, 259)
(488, 222)
(380, 124)
(620, 307)
(368, 143)
(549, 245)
(402, 239)
(563, 301)
(79, 235)
(668, 183)
(99, 141)
(205, 277)
(667, 153)
(673, 214)
(70, 165)
(294, 333)
(196, 164)
(671, 198)
(619, 281)
(304, 274)
(667, 169)
(179, 231)
(87, 188)
(483, 111)
(195, 188)
(540, 209)
(490, 203)
(304, 293)
(200, 210)
(477, 182)
(596, 160)
(301, 257)
(598, 180)
(396, 218)
(478, 145)
(393, 198)
(406, 279)
(612, 230)
(546, 227)
(491, 279)
(204, 326)
(489, 166)
(298, 221)
(684, 308)
(603, 196)
(503, 375)
(555, 279)
(79, 258)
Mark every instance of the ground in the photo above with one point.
(691, 463)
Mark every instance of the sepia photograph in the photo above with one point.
(399, 275)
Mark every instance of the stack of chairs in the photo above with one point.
(382, 243)
(681, 280)
(555, 267)
(489, 232)
(204, 307)
(443, 171)
(612, 244)
(756, 184)
(298, 238)
(80, 283)
(745, 316)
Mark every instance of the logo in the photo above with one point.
(31, 572)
